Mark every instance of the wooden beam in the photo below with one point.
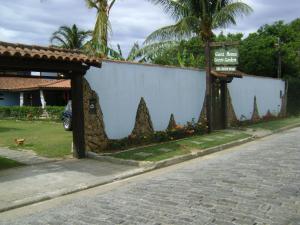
(34, 77)
(40, 65)
(224, 43)
(78, 116)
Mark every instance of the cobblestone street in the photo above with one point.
(256, 183)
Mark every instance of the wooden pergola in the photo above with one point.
(73, 64)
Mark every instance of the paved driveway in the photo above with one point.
(257, 183)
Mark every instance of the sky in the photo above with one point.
(33, 21)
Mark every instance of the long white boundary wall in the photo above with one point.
(166, 90)
(268, 94)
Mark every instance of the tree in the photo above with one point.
(102, 26)
(70, 37)
(189, 53)
(259, 53)
(197, 18)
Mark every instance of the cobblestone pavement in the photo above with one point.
(257, 183)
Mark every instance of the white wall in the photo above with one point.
(266, 90)
(120, 87)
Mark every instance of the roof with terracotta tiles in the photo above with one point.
(49, 53)
(14, 84)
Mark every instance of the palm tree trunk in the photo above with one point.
(208, 94)
(104, 16)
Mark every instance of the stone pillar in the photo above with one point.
(42, 97)
(21, 99)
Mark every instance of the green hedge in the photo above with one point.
(30, 113)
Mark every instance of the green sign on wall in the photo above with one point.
(226, 57)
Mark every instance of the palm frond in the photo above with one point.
(175, 8)
(227, 15)
(152, 50)
(185, 28)
(92, 4)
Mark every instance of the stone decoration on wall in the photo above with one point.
(172, 123)
(96, 139)
(231, 116)
(143, 124)
(255, 115)
(283, 110)
(202, 118)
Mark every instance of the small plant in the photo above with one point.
(178, 132)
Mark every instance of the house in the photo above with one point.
(22, 91)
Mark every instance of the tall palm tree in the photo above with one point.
(102, 26)
(199, 18)
(70, 37)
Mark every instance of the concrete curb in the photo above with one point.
(72, 190)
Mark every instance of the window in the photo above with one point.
(1, 96)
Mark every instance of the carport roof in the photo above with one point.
(16, 84)
(46, 53)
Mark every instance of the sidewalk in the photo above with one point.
(30, 184)
(26, 157)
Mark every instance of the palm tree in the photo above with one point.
(199, 18)
(102, 26)
(70, 37)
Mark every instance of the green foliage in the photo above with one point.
(184, 54)
(70, 37)
(195, 18)
(55, 112)
(259, 51)
(30, 113)
(102, 26)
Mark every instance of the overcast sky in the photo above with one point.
(33, 22)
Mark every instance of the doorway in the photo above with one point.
(219, 96)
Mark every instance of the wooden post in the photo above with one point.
(78, 116)
(224, 103)
(209, 116)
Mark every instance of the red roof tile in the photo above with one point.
(26, 84)
(49, 53)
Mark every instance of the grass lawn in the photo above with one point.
(276, 124)
(167, 150)
(8, 163)
(46, 138)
